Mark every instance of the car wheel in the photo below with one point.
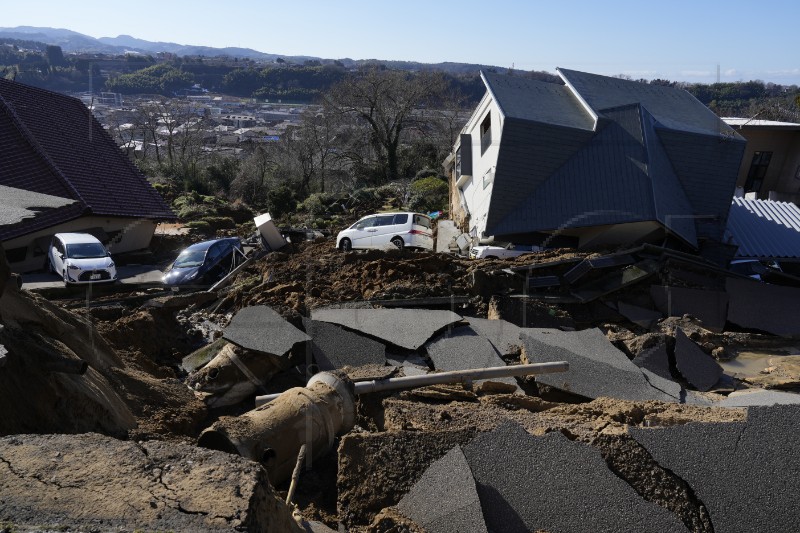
(397, 241)
(345, 245)
(50, 266)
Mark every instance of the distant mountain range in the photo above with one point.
(74, 42)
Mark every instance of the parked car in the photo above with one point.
(204, 263)
(500, 251)
(403, 230)
(80, 258)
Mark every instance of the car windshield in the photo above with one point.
(190, 258)
(85, 250)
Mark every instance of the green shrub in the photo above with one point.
(219, 222)
(199, 226)
(428, 194)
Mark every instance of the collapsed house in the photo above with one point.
(51, 144)
(597, 161)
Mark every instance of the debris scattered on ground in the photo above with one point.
(153, 367)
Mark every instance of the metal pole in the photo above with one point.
(296, 474)
(440, 378)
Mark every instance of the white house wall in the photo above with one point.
(136, 235)
(477, 190)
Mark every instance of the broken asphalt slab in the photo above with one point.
(91, 482)
(261, 329)
(334, 347)
(466, 350)
(747, 474)
(699, 368)
(445, 499)
(596, 367)
(655, 359)
(550, 483)
(503, 335)
(759, 397)
(406, 328)
(758, 305)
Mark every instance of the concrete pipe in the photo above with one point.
(274, 433)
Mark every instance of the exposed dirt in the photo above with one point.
(135, 389)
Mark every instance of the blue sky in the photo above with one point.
(673, 39)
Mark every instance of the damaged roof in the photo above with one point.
(764, 229)
(654, 154)
(52, 144)
(17, 205)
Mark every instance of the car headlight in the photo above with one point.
(73, 267)
(110, 265)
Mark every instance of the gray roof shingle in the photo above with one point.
(51, 144)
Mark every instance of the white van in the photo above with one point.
(412, 230)
(80, 258)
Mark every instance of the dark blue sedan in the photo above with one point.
(204, 263)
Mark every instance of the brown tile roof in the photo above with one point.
(51, 144)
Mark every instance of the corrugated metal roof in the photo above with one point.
(764, 229)
(736, 122)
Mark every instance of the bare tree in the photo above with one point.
(255, 176)
(385, 100)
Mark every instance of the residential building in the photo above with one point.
(597, 161)
(771, 163)
(51, 144)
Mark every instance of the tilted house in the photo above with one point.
(51, 144)
(593, 162)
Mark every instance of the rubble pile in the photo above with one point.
(653, 340)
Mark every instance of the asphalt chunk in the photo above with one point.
(406, 328)
(550, 483)
(334, 347)
(465, 351)
(699, 368)
(445, 499)
(596, 367)
(262, 329)
(747, 474)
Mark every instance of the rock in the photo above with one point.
(91, 482)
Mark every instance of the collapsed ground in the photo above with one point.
(135, 387)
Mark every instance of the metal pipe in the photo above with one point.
(454, 376)
(301, 457)
(313, 416)
(273, 434)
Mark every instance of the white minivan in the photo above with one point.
(412, 230)
(80, 258)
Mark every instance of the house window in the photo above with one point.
(758, 170)
(458, 162)
(17, 255)
(486, 132)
